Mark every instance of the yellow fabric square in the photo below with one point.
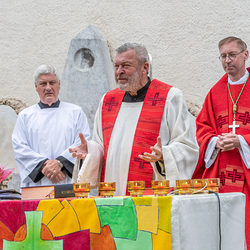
(50, 209)
(148, 216)
(161, 241)
(87, 214)
(164, 204)
(147, 201)
(65, 222)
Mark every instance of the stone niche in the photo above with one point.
(88, 73)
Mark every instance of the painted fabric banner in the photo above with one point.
(100, 223)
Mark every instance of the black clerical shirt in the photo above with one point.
(45, 106)
(141, 93)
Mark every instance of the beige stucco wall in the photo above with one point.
(182, 37)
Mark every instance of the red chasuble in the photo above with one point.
(147, 129)
(214, 119)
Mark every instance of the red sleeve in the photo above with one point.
(205, 130)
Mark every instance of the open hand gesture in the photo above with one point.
(81, 151)
(156, 154)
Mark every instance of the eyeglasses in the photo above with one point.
(231, 56)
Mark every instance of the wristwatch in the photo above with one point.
(60, 164)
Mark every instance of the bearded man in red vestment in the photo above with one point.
(142, 131)
(223, 125)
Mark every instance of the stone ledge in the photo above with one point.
(4, 183)
(17, 105)
(193, 108)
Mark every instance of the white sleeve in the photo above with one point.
(91, 166)
(26, 158)
(180, 149)
(244, 151)
(89, 171)
(211, 152)
(97, 131)
(82, 126)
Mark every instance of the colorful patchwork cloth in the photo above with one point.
(100, 223)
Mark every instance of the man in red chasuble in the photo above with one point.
(142, 131)
(223, 125)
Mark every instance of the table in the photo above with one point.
(174, 222)
(194, 222)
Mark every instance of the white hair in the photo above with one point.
(140, 49)
(45, 69)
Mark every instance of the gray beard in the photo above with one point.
(132, 84)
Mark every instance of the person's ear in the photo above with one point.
(246, 54)
(145, 67)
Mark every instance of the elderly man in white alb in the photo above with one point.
(44, 132)
(142, 130)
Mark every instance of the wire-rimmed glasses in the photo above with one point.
(231, 56)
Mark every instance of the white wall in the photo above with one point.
(182, 37)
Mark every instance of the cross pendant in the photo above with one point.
(234, 126)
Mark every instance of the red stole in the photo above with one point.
(214, 119)
(147, 129)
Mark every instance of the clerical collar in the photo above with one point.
(46, 106)
(141, 93)
(241, 80)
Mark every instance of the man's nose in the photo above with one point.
(228, 59)
(48, 87)
(119, 70)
